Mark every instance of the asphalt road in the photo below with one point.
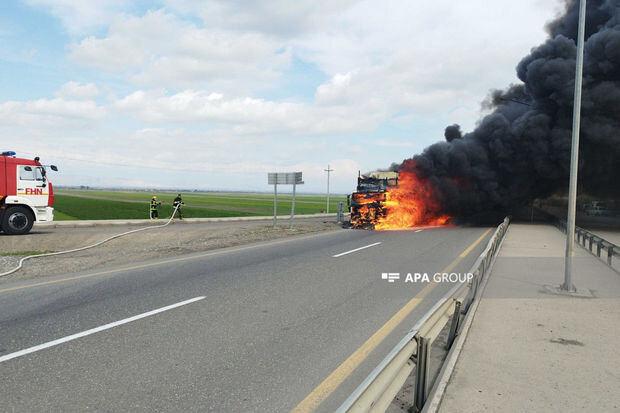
(274, 326)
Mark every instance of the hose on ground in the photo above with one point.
(21, 262)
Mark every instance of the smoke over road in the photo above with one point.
(521, 151)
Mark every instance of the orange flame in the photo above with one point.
(368, 208)
(410, 204)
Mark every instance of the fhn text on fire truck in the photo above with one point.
(26, 194)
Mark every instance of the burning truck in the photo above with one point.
(387, 200)
(367, 204)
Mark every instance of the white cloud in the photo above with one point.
(244, 116)
(78, 16)
(395, 56)
(382, 57)
(130, 41)
(282, 18)
(370, 33)
(76, 90)
(160, 49)
(55, 113)
(393, 143)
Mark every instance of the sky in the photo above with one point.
(213, 95)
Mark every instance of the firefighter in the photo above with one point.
(154, 205)
(178, 202)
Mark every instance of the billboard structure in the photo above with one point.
(283, 178)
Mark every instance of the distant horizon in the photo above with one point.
(188, 190)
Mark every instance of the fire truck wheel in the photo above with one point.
(17, 220)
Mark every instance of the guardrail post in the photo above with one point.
(472, 291)
(591, 239)
(456, 321)
(598, 248)
(474, 285)
(422, 371)
(610, 253)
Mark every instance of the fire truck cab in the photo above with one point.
(26, 195)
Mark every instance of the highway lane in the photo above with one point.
(278, 318)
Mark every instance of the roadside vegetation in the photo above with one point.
(82, 205)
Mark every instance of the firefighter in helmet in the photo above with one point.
(177, 203)
(154, 205)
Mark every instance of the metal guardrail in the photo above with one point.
(589, 240)
(378, 390)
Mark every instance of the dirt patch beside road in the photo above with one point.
(155, 243)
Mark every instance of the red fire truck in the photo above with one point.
(26, 195)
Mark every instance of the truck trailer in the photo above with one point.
(26, 194)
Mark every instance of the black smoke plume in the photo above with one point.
(453, 132)
(521, 151)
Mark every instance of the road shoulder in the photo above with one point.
(171, 241)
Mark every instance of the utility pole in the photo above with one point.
(572, 187)
(328, 170)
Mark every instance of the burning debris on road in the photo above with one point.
(521, 150)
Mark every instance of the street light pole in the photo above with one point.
(572, 188)
(328, 170)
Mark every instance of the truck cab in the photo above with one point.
(26, 194)
(367, 204)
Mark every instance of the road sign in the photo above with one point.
(283, 178)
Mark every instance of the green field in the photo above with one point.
(90, 204)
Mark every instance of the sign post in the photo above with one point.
(290, 222)
(275, 203)
(283, 178)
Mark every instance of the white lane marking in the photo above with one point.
(95, 330)
(355, 250)
(420, 230)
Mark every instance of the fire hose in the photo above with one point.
(21, 262)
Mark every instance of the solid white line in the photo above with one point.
(95, 330)
(357, 249)
(419, 230)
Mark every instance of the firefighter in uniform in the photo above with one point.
(178, 202)
(154, 205)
